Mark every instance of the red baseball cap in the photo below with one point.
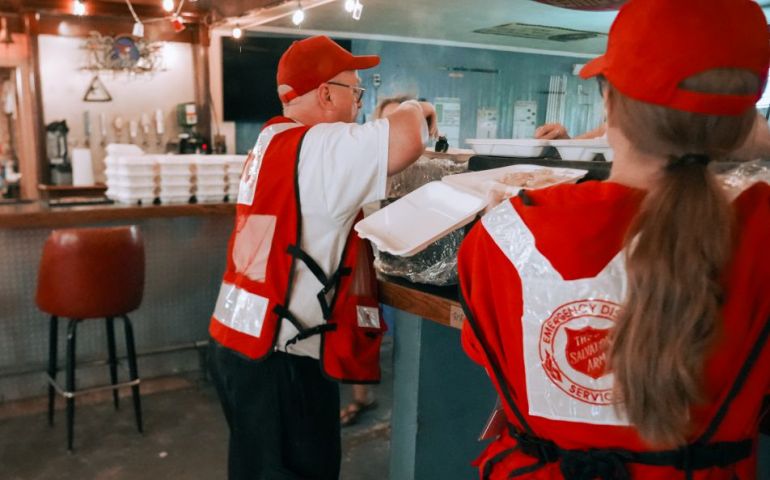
(656, 44)
(308, 63)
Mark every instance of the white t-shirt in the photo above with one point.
(342, 166)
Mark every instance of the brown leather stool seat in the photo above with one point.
(88, 273)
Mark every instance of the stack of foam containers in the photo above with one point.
(131, 175)
(234, 169)
(210, 178)
(176, 178)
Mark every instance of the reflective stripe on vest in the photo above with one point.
(251, 174)
(241, 310)
(565, 327)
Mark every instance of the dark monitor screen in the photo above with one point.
(248, 70)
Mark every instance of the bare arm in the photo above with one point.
(556, 131)
(551, 131)
(596, 132)
(405, 143)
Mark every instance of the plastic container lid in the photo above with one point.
(172, 199)
(209, 180)
(210, 198)
(583, 149)
(130, 160)
(416, 220)
(123, 149)
(516, 147)
(210, 189)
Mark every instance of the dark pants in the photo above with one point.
(282, 413)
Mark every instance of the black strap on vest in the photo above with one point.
(304, 333)
(328, 294)
(610, 463)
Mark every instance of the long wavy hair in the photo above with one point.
(675, 252)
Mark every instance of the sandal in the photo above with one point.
(350, 414)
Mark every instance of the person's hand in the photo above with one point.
(430, 116)
(551, 131)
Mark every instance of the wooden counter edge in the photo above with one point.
(432, 307)
(84, 215)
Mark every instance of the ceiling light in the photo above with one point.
(350, 5)
(298, 17)
(78, 8)
(168, 5)
(138, 30)
(357, 9)
(237, 32)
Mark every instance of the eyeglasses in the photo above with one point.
(357, 91)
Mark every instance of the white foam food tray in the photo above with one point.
(583, 150)
(174, 199)
(509, 180)
(516, 147)
(411, 223)
(130, 182)
(211, 190)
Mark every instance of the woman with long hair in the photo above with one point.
(624, 323)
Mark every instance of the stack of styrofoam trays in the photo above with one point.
(234, 169)
(210, 184)
(131, 178)
(176, 181)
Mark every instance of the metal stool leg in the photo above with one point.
(71, 332)
(52, 367)
(133, 371)
(113, 359)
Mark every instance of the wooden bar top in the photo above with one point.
(438, 304)
(41, 215)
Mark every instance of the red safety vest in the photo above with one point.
(541, 278)
(261, 263)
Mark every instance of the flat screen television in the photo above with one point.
(248, 70)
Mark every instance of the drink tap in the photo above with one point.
(103, 129)
(160, 127)
(145, 129)
(133, 131)
(118, 124)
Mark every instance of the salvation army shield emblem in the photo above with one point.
(586, 350)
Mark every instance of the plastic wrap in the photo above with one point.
(745, 175)
(437, 264)
(424, 170)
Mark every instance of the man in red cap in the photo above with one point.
(298, 308)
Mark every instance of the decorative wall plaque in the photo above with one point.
(123, 53)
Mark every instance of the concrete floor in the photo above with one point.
(185, 438)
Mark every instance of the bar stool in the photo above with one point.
(88, 273)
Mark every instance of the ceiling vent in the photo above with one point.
(585, 4)
(539, 32)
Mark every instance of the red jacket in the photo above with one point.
(579, 231)
(262, 256)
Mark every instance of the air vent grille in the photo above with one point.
(539, 32)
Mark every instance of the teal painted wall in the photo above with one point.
(420, 70)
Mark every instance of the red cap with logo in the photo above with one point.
(656, 44)
(308, 63)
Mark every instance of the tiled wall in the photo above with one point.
(424, 71)
(421, 70)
